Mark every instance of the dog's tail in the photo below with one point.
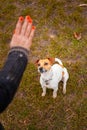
(58, 61)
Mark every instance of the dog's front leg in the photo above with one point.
(55, 92)
(44, 91)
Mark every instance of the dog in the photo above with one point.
(52, 72)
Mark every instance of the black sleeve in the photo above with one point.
(11, 74)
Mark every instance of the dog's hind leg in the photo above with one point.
(64, 87)
(65, 78)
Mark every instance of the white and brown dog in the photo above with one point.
(52, 72)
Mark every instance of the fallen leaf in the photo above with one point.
(77, 36)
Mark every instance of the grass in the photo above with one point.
(55, 22)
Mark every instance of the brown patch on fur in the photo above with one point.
(36, 63)
(52, 60)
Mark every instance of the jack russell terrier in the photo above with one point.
(52, 72)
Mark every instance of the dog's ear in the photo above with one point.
(52, 60)
(36, 63)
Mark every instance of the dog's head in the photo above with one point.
(44, 65)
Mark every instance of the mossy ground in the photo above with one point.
(55, 21)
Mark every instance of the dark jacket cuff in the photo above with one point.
(21, 50)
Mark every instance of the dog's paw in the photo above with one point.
(64, 91)
(43, 94)
(54, 95)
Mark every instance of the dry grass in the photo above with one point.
(56, 22)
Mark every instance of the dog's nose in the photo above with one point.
(41, 69)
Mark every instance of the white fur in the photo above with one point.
(51, 78)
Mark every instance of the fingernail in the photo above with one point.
(21, 18)
(29, 19)
(33, 27)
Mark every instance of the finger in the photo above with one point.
(28, 30)
(31, 35)
(19, 25)
(24, 27)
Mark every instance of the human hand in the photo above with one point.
(23, 34)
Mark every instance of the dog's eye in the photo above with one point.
(38, 64)
(45, 63)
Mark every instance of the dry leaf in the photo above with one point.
(78, 36)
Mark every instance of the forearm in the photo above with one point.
(11, 74)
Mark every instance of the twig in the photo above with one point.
(81, 5)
